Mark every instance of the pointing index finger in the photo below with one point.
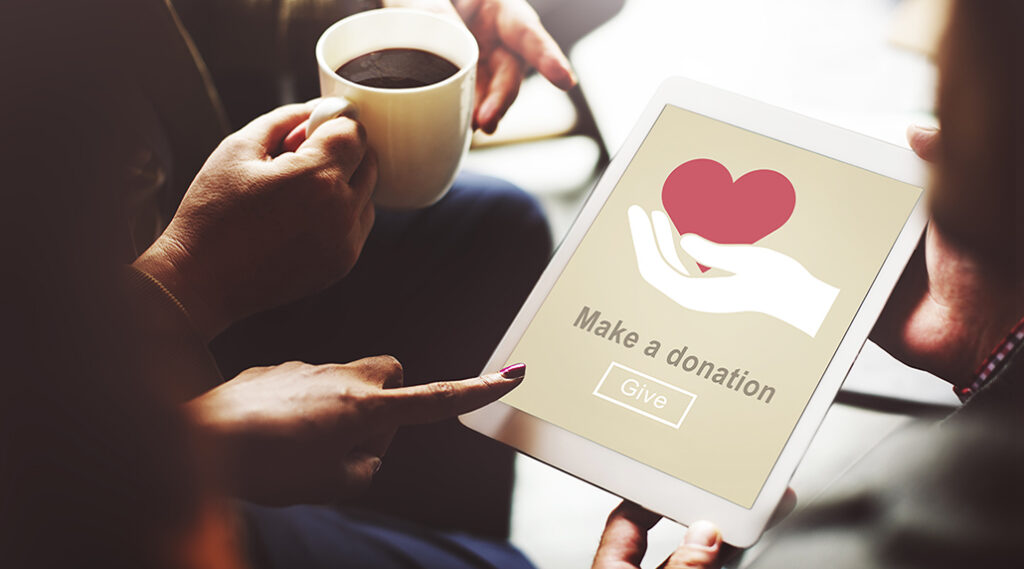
(440, 400)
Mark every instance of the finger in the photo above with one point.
(731, 258)
(356, 473)
(339, 142)
(295, 138)
(624, 540)
(506, 77)
(483, 82)
(364, 180)
(383, 371)
(467, 9)
(786, 506)
(924, 141)
(699, 550)
(521, 30)
(663, 233)
(267, 132)
(440, 400)
(361, 228)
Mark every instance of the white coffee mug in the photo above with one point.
(420, 134)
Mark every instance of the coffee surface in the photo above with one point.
(397, 68)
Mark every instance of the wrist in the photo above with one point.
(171, 266)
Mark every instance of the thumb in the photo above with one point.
(624, 541)
(699, 550)
(266, 132)
(356, 474)
(732, 258)
(924, 141)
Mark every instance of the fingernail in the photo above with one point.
(514, 371)
(376, 467)
(925, 129)
(702, 533)
(485, 112)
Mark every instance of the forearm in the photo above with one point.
(172, 350)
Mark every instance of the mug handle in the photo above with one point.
(330, 108)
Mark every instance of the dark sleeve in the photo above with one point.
(932, 496)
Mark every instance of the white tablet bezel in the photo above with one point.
(631, 479)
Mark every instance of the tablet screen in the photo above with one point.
(702, 307)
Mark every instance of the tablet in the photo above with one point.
(690, 333)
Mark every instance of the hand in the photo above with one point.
(624, 542)
(259, 227)
(763, 280)
(948, 310)
(298, 433)
(511, 38)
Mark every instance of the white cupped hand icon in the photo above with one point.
(762, 280)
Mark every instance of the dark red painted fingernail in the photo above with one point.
(514, 371)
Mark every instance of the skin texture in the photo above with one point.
(950, 307)
(259, 227)
(299, 433)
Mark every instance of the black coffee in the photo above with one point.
(398, 68)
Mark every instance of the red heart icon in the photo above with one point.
(701, 198)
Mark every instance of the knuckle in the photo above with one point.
(328, 369)
(292, 365)
(348, 137)
(322, 180)
(390, 369)
(234, 143)
(442, 391)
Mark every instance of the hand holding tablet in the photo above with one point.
(692, 330)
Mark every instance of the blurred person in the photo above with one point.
(946, 495)
(115, 451)
(423, 262)
(258, 227)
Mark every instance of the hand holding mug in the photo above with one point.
(258, 227)
(419, 130)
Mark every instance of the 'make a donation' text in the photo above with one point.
(736, 379)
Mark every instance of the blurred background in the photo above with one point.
(864, 65)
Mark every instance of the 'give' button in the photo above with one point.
(643, 394)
